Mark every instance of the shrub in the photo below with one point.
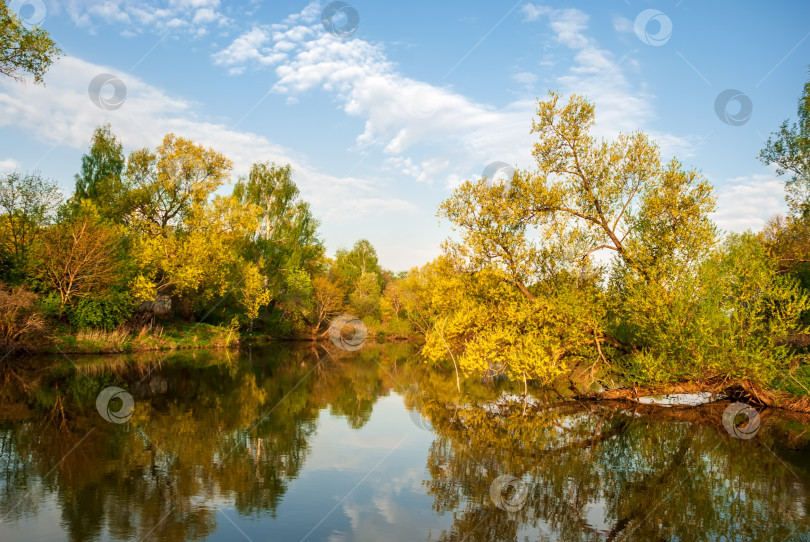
(730, 320)
(104, 313)
(19, 317)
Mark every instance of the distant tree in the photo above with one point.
(789, 149)
(27, 203)
(328, 302)
(24, 51)
(365, 299)
(354, 263)
(101, 178)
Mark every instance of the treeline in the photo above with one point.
(150, 234)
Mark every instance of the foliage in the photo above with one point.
(732, 319)
(23, 50)
(286, 235)
(254, 295)
(102, 312)
(353, 264)
(170, 182)
(365, 299)
(101, 178)
(79, 257)
(532, 299)
(202, 259)
(27, 204)
(327, 297)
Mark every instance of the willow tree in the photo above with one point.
(536, 306)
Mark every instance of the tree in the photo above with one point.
(24, 51)
(254, 295)
(365, 299)
(167, 183)
(287, 234)
(101, 178)
(19, 317)
(27, 203)
(537, 234)
(361, 259)
(79, 257)
(328, 301)
(204, 259)
(789, 150)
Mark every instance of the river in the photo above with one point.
(294, 443)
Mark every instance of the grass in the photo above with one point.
(173, 336)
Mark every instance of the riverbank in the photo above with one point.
(171, 336)
(165, 336)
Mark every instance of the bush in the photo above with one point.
(105, 313)
(730, 320)
(19, 317)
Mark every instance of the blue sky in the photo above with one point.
(381, 124)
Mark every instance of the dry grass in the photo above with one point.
(105, 341)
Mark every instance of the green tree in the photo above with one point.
(789, 150)
(27, 204)
(287, 234)
(24, 51)
(361, 259)
(365, 299)
(101, 178)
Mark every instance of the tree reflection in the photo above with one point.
(221, 427)
(601, 473)
(205, 428)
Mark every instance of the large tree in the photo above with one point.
(529, 301)
(287, 235)
(168, 182)
(24, 51)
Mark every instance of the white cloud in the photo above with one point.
(455, 135)
(62, 113)
(748, 202)
(622, 25)
(8, 165)
(144, 15)
(525, 78)
(402, 115)
(532, 12)
(249, 47)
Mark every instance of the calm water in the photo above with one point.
(291, 444)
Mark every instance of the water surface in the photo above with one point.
(296, 443)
